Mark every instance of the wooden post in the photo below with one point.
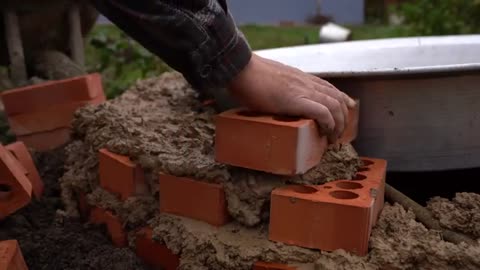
(18, 70)
(76, 38)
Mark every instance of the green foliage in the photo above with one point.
(265, 37)
(441, 17)
(121, 60)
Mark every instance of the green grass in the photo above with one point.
(265, 37)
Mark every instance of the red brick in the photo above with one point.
(20, 151)
(336, 215)
(113, 224)
(11, 257)
(156, 255)
(351, 130)
(193, 199)
(273, 144)
(272, 266)
(15, 188)
(38, 97)
(119, 175)
(374, 172)
(48, 140)
(51, 118)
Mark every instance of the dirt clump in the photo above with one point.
(462, 213)
(161, 124)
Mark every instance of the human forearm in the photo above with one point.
(196, 37)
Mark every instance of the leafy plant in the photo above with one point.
(441, 17)
(120, 59)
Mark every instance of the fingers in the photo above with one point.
(334, 92)
(319, 113)
(337, 110)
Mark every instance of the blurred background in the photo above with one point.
(280, 23)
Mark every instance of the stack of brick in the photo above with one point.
(19, 178)
(40, 115)
(337, 215)
(11, 257)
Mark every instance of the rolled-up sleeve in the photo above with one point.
(198, 38)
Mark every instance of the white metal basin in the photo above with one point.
(420, 96)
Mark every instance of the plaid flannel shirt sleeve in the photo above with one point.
(198, 38)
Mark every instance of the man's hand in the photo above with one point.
(271, 87)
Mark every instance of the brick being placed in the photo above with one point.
(40, 115)
(336, 215)
(193, 199)
(119, 175)
(15, 187)
(11, 257)
(274, 144)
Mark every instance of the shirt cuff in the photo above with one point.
(217, 64)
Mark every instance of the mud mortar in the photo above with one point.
(462, 213)
(161, 124)
(397, 242)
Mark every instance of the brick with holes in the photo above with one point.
(336, 215)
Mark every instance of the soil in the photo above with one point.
(50, 240)
(154, 124)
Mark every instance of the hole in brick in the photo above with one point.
(285, 118)
(349, 185)
(303, 189)
(343, 195)
(327, 187)
(364, 169)
(249, 114)
(5, 191)
(359, 177)
(366, 163)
